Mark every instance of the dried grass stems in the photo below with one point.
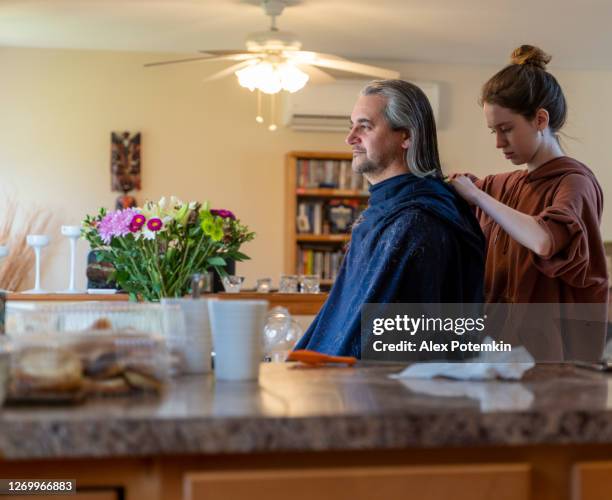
(15, 225)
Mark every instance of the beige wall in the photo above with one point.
(200, 141)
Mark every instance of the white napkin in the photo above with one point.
(491, 396)
(488, 366)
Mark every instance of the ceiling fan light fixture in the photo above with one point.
(272, 41)
(292, 78)
(274, 61)
(271, 78)
(260, 76)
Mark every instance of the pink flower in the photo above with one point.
(137, 222)
(221, 212)
(116, 223)
(155, 224)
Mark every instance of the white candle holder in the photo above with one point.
(37, 242)
(72, 233)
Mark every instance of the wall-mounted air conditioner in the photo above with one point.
(327, 107)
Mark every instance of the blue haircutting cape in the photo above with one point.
(417, 242)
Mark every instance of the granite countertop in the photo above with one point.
(306, 409)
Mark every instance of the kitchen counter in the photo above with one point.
(305, 409)
(331, 433)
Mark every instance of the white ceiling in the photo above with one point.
(577, 33)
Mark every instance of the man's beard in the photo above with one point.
(367, 166)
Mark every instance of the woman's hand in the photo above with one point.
(521, 227)
(466, 188)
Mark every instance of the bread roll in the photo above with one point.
(47, 369)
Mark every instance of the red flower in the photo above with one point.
(225, 214)
(138, 220)
(155, 224)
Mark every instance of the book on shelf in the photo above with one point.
(342, 175)
(333, 174)
(330, 177)
(335, 216)
(324, 262)
(317, 218)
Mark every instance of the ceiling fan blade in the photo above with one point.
(353, 67)
(335, 62)
(310, 55)
(227, 71)
(243, 56)
(225, 52)
(315, 74)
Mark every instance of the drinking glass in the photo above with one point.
(264, 285)
(288, 283)
(232, 283)
(309, 283)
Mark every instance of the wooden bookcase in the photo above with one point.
(303, 171)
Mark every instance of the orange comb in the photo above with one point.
(318, 358)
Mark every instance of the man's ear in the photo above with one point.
(406, 140)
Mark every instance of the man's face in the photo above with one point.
(375, 145)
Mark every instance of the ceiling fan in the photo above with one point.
(273, 60)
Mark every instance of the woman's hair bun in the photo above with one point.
(528, 54)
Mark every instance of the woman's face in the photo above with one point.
(517, 137)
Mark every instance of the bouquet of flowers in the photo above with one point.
(155, 249)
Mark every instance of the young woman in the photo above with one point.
(541, 223)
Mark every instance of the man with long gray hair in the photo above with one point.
(418, 241)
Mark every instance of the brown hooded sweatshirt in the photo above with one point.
(567, 201)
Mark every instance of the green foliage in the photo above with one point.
(156, 264)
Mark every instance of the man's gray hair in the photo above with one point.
(407, 108)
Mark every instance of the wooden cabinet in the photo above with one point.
(323, 196)
(566, 472)
(592, 481)
(461, 482)
(96, 479)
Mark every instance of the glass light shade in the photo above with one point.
(272, 78)
(292, 78)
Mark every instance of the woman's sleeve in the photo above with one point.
(571, 221)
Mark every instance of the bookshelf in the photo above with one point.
(323, 197)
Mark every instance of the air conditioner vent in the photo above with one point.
(327, 107)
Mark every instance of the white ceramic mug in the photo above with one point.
(237, 332)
